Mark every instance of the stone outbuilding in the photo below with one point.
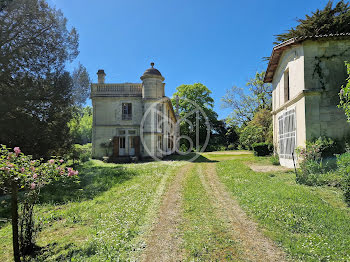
(307, 74)
(133, 119)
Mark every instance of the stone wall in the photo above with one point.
(325, 73)
(107, 119)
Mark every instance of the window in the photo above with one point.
(286, 86)
(287, 134)
(126, 111)
(121, 142)
(121, 132)
(132, 132)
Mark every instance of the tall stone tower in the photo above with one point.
(152, 94)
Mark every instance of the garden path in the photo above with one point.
(165, 239)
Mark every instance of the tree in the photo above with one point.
(20, 172)
(250, 135)
(244, 103)
(81, 85)
(345, 94)
(200, 95)
(81, 126)
(330, 20)
(38, 96)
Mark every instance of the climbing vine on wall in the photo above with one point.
(318, 69)
(345, 94)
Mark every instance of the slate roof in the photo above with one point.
(278, 50)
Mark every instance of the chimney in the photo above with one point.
(101, 76)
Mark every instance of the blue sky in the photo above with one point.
(218, 43)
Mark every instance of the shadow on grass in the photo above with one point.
(188, 157)
(62, 252)
(92, 181)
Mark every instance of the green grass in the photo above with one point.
(100, 218)
(311, 223)
(204, 233)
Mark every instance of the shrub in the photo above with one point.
(312, 167)
(343, 162)
(231, 147)
(275, 160)
(18, 172)
(262, 149)
(81, 153)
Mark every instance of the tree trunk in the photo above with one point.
(14, 214)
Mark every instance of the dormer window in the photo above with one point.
(286, 86)
(126, 111)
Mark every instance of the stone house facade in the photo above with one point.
(307, 74)
(132, 119)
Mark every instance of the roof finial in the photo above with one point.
(152, 64)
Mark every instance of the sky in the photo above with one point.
(218, 43)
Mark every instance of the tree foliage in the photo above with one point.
(200, 95)
(244, 103)
(345, 94)
(38, 96)
(330, 20)
(81, 126)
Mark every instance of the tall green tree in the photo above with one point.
(81, 126)
(38, 97)
(200, 95)
(330, 20)
(244, 103)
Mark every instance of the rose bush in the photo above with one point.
(20, 172)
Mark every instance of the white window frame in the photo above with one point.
(287, 137)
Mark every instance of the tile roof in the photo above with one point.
(278, 50)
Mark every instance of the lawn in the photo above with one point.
(310, 223)
(108, 213)
(102, 216)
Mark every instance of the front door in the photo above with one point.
(131, 145)
(122, 146)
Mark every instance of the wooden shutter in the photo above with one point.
(137, 145)
(116, 146)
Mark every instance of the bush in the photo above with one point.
(231, 147)
(262, 149)
(81, 153)
(343, 162)
(313, 170)
(275, 160)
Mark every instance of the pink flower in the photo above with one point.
(17, 150)
(22, 169)
(32, 168)
(71, 172)
(32, 162)
(61, 161)
(32, 186)
(51, 161)
(35, 176)
(62, 173)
